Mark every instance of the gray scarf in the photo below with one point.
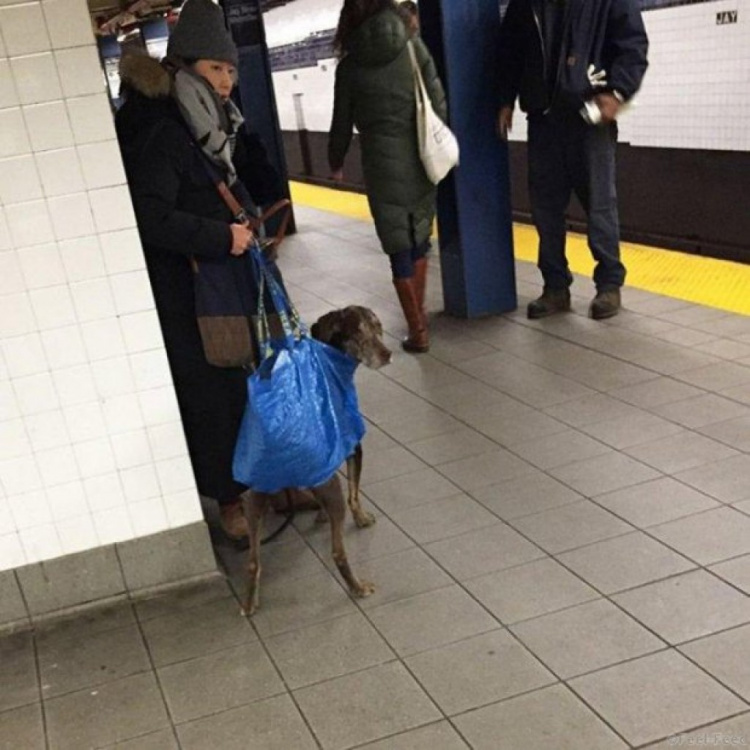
(212, 122)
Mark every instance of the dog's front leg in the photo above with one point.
(331, 498)
(353, 473)
(254, 506)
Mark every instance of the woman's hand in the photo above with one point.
(242, 236)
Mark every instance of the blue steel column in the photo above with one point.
(474, 212)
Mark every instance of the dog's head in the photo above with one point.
(357, 331)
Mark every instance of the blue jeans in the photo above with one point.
(566, 155)
(402, 263)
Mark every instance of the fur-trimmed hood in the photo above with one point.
(145, 75)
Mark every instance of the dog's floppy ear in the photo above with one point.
(327, 328)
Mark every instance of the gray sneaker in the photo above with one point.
(605, 304)
(552, 301)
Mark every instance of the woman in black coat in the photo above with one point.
(181, 214)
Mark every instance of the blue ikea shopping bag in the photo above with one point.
(302, 416)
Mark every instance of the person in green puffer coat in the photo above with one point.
(375, 92)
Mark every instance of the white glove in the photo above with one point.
(597, 79)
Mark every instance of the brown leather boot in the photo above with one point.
(417, 341)
(232, 520)
(420, 282)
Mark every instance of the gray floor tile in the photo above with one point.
(410, 490)
(429, 620)
(700, 411)
(717, 377)
(726, 656)
(432, 423)
(624, 562)
(451, 446)
(530, 590)
(734, 432)
(571, 526)
(603, 474)
(389, 463)
(331, 649)
(22, 728)
(531, 493)
(386, 700)
(687, 606)
(481, 471)
(740, 393)
(164, 739)
(560, 449)
(632, 430)
(112, 713)
(219, 681)
(272, 724)
(726, 349)
(731, 732)
(585, 638)
(680, 452)
(444, 518)
(640, 701)
(182, 598)
(478, 671)
(708, 537)
(516, 428)
(76, 663)
(19, 685)
(591, 410)
(439, 736)
(290, 557)
(529, 721)
(483, 551)
(204, 629)
(87, 623)
(727, 480)
(736, 572)
(661, 390)
(654, 502)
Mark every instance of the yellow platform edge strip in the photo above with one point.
(722, 284)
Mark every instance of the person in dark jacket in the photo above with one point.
(572, 65)
(178, 122)
(374, 91)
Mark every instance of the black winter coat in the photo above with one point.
(608, 34)
(180, 214)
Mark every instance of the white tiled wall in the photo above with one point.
(91, 447)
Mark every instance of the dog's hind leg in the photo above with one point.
(331, 498)
(254, 505)
(353, 473)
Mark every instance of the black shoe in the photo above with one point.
(605, 304)
(552, 301)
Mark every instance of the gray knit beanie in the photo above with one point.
(201, 34)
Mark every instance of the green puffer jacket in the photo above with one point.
(375, 92)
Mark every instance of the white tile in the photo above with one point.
(113, 526)
(57, 466)
(29, 223)
(60, 171)
(24, 29)
(77, 534)
(53, 307)
(183, 508)
(16, 315)
(131, 449)
(175, 474)
(11, 278)
(91, 118)
(64, 347)
(159, 405)
(132, 292)
(47, 430)
(102, 164)
(103, 492)
(14, 139)
(30, 509)
(103, 339)
(3, 50)
(149, 517)
(41, 265)
(19, 181)
(36, 393)
(14, 442)
(122, 414)
(67, 500)
(113, 377)
(8, 94)
(94, 457)
(5, 242)
(92, 299)
(75, 385)
(112, 208)
(85, 421)
(140, 483)
(123, 251)
(11, 552)
(141, 331)
(80, 71)
(167, 440)
(48, 126)
(36, 78)
(151, 369)
(7, 524)
(40, 543)
(68, 22)
(20, 475)
(25, 355)
(71, 216)
(82, 258)
(8, 402)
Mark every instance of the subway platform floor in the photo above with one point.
(561, 553)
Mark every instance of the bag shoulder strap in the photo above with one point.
(418, 80)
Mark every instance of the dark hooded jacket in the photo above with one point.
(608, 34)
(181, 214)
(375, 92)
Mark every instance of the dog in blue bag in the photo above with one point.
(301, 421)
